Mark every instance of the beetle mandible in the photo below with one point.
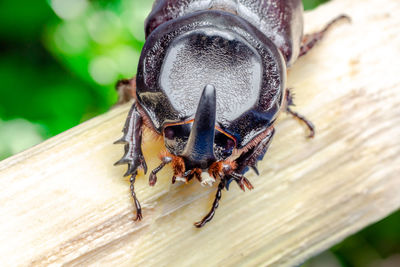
(211, 80)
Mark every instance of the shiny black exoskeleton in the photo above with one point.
(211, 80)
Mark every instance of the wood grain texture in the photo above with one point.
(62, 202)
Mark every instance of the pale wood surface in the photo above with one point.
(63, 202)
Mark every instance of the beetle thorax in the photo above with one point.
(210, 56)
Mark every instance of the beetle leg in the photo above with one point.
(137, 203)
(309, 40)
(126, 90)
(251, 157)
(133, 156)
(215, 205)
(248, 160)
(308, 123)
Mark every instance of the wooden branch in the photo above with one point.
(64, 203)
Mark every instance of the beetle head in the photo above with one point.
(200, 142)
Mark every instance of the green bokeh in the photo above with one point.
(59, 61)
(310, 4)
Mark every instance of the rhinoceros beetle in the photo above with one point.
(211, 81)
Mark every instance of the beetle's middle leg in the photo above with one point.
(309, 40)
(289, 103)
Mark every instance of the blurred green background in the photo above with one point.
(59, 61)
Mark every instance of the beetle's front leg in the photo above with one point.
(249, 159)
(289, 103)
(133, 156)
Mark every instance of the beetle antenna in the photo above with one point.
(153, 176)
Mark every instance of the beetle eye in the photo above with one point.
(177, 131)
(223, 145)
(229, 144)
(169, 133)
(176, 136)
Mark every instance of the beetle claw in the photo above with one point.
(139, 215)
(242, 187)
(242, 181)
(247, 183)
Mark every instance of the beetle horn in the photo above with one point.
(199, 149)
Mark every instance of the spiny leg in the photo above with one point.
(309, 40)
(133, 156)
(248, 160)
(153, 174)
(215, 205)
(255, 154)
(308, 123)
